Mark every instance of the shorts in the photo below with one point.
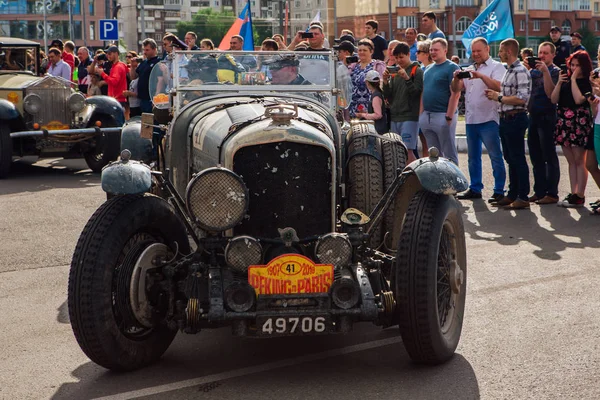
(409, 130)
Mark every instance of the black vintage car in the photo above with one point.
(261, 211)
(46, 117)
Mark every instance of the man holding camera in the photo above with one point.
(542, 123)
(117, 80)
(402, 84)
(313, 67)
(482, 120)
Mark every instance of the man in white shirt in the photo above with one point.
(57, 67)
(482, 119)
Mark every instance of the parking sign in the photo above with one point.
(109, 29)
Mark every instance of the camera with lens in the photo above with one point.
(307, 35)
(101, 57)
(531, 61)
(351, 59)
(392, 69)
(564, 69)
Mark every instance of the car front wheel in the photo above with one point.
(107, 147)
(431, 277)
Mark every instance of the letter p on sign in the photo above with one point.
(109, 29)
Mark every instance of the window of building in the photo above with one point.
(536, 24)
(521, 5)
(434, 4)
(582, 5)
(584, 24)
(298, 16)
(465, 3)
(408, 3)
(463, 24)
(296, 3)
(596, 7)
(522, 25)
(156, 14)
(92, 8)
(540, 4)
(308, 15)
(158, 25)
(461, 51)
(92, 30)
(597, 26)
(566, 27)
(561, 5)
(407, 21)
(170, 25)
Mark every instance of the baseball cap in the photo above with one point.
(348, 38)
(345, 45)
(577, 35)
(555, 28)
(57, 43)
(112, 49)
(372, 76)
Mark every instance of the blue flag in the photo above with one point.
(246, 30)
(494, 23)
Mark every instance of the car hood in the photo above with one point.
(16, 81)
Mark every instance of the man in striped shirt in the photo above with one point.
(515, 90)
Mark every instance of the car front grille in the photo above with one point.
(289, 186)
(54, 108)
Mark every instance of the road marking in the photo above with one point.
(251, 370)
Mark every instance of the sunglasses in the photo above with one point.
(128, 56)
(421, 51)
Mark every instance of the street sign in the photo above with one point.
(109, 29)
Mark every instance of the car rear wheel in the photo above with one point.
(117, 303)
(5, 150)
(431, 274)
(107, 147)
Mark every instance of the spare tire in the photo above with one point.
(395, 155)
(365, 175)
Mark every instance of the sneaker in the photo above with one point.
(575, 201)
(565, 201)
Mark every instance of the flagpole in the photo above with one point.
(454, 52)
(390, 20)
(526, 23)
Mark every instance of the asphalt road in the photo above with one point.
(532, 329)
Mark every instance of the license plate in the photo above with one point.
(291, 274)
(288, 326)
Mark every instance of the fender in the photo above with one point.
(8, 110)
(108, 106)
(132, 140)
(439, 175)
(126, 177)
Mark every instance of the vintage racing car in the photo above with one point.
(46, 117)
(248, 204)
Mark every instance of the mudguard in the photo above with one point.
(107, 106)
(8, 110)
(132, 140)
(439, 175)
(126, 177)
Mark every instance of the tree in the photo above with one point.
(589, 42)
(207, 24)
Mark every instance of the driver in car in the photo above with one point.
(284, 70)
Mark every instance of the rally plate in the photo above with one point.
(317, 324)
(290, 274)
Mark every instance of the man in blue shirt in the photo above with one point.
(439, 101)
(429, 23)
(542, 123)
(411, 39)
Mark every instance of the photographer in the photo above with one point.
(117, 80)
(574, 122)
(542, 121)
(482, 119)
(402, 88)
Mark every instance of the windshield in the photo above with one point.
(17, 59)
(195, 74)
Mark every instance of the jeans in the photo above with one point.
(512, 135)
(488, 134)
(542, 151)
(409, 131)
(439, 134)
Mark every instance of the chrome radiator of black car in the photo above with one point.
(289, 186)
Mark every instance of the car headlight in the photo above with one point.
(334, 249)
(76, 102)
(32, 104)
(242, 252)
(217, 199)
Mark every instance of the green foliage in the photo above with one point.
(214, 25)
(589, 42)
(207, 24)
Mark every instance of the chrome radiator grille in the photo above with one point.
(54, 108)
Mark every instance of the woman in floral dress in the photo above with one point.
(361, 97)
(574, 124)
